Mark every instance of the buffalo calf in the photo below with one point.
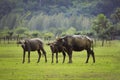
(56, 49)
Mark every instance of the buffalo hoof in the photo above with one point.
(56, 61)
(70, 62)
(51, 62)
(38, 61)
(86, 62)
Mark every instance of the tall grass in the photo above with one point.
(106, 66)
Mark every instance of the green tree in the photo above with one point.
(21, 31)
(48, 35)
(116, 15)
(35, 34)
(71, 31)
(101, 26)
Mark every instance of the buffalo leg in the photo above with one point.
(93, 56)
(52, 57)
(39, 56)
(70, 61)
(28, 56)
(23, 56)
(44, 54)
(88, 55)
(56, 57)
(70, 56)
(64, 55)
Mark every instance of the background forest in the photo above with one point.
(51, 18)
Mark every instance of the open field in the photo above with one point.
(107, 66)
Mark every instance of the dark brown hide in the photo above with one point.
(56, 49)
(33, 45)
(77, 43)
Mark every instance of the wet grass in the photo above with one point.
(107, 66)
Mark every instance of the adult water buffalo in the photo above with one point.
(34, 44)
(77, 43)
(56, 49)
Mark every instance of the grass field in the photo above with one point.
(107, 66)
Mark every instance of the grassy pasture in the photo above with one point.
(107, 66)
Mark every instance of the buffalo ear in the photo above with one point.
(21, 42)
(63, 40)
(26, 42)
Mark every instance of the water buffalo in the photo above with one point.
(56, 49)
(77, 43)
(34, 44)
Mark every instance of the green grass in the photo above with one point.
(107, 65)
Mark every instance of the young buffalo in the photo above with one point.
(56, 49)
(77, 43)
(34, 44)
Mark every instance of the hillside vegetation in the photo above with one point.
(56, 17)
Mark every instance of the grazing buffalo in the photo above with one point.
(77, 43)
(56, 49)
(34, 44)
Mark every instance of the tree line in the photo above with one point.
(51, 18)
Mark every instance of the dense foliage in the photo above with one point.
(56, 16)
